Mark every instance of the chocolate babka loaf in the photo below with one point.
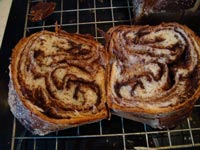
(154, 73)
(148, 74)
(57, 81)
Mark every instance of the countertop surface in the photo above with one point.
(4, 12)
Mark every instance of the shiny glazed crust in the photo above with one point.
(57, 81)
(154, 73)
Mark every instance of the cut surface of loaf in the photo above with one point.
(154, 73)
(57, 81)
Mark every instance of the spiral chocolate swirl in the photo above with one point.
(154, 68)
(61, 75)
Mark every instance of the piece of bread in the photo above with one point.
(154, 73)
(162, 10)
(57, 81)
(41, 10)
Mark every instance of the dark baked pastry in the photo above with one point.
(57, 81)
(164, 10)
(41, 10)
(154, 73)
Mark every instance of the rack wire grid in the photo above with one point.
(85, 16)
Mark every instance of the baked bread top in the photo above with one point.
(154, 69)
(60, 77)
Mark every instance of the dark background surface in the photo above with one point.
(14, 31)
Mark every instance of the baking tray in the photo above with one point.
(118, 133)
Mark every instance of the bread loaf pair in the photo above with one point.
(148, 74)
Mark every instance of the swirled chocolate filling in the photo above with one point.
(153, 66)
(62, 75)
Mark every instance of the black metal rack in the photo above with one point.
(85, 16)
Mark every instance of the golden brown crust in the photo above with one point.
(84, 69)
(154, 72)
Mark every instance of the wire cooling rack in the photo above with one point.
(85, 16)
